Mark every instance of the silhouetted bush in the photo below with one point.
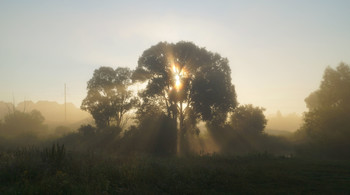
(87, 130)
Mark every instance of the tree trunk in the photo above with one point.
(181, 134)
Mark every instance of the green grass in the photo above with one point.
(27, 171)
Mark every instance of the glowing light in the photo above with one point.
(177, 84)
(177, 81)
(178, 75)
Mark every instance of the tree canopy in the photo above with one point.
(327, 123)
(183, 86)
(108, 97)
(248, 119)
(334, 91)
(184, 78)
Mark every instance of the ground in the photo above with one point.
(33, 171)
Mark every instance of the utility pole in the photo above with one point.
(13, 103)
(65, 104)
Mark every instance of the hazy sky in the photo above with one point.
(277, 50)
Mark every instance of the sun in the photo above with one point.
(177, 77)
(177, 82)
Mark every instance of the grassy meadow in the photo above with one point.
(54, 170)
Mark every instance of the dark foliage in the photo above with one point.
(155, 135)
(326, 128)
(108, 97)
(188, 83)
(248, 119)
(204, 80)
(24, 172)
(239, 142)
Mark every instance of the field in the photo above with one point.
(57, 171)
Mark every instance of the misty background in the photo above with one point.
(181, 97)
(277, 50)
(54, 114)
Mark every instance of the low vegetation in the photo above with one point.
(35, 171)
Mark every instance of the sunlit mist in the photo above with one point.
(175, 97)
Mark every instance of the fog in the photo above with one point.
(174, 97)
(283, 124)
(117, 118)
(175, 115)
(28, 123)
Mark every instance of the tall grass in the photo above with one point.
(54, 170)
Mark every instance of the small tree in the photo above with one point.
(248, 119)
(108, 97)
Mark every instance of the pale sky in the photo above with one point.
(277, 50)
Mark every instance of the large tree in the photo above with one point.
(108, 97)
(326, 124)
(188, 82)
